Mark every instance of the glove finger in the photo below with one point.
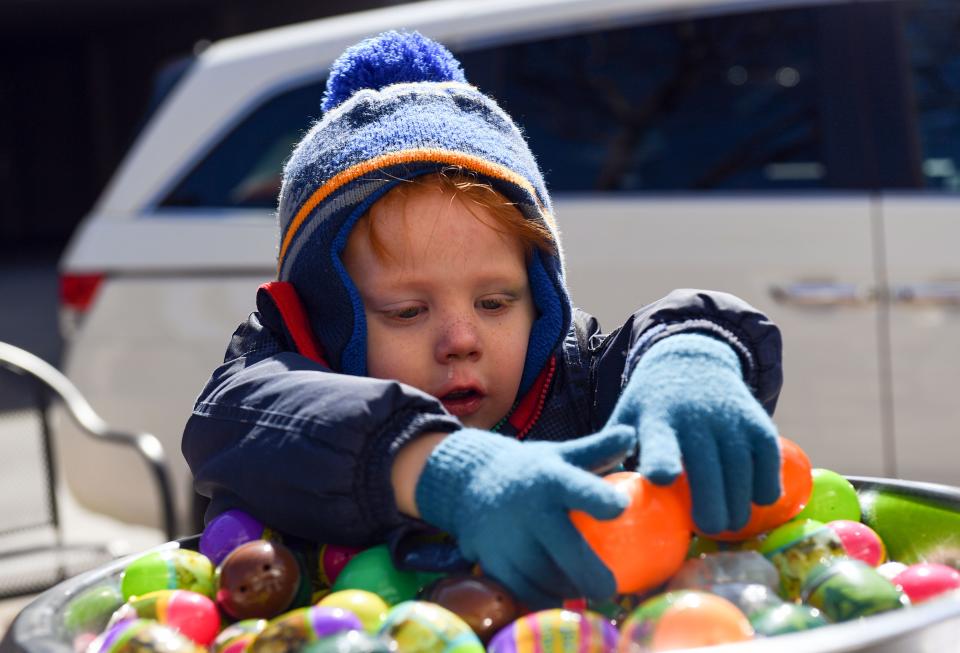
(531, 586)
(702, 461)
(737, 469)
(579, 490)
(600, 451)
(660, 460)
(766, 458)
(589, 576)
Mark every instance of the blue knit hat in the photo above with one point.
(397, 106)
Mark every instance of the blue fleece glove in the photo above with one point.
(686, 399)
(507, 504)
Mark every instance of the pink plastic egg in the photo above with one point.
(860, 541)
(189, 613)
(333, 558)
(926, 580)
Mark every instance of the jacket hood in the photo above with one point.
(398, 107)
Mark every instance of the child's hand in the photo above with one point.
(508, 503)
(687, 397)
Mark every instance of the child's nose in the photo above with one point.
(459, 340)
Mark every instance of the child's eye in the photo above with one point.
(492, 304)
(406, 313)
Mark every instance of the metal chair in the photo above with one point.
(29, 387)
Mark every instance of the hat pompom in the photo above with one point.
(389, 58)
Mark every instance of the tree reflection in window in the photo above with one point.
(723, 102)
(243, 170)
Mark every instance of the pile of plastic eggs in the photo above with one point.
(251, 590)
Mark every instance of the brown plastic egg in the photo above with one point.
(258, 580)
(480, 601)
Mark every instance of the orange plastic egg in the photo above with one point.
(648, 542)
(700, 619)
(796, 481)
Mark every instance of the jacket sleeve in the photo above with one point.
(749, 332)
(305, 450)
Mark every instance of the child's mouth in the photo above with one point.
(463, 402)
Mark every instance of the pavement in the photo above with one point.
(29, 288)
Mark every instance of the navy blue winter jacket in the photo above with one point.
(309, 451)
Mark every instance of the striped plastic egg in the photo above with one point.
(294, 630)
(423, 627)
(353, 641)
(143, 636)
(189, 613)
(798, 547)
(683, 619)
(560, 631)
(172, 569)
(237, 637)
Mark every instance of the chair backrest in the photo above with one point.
(27, 496)
(33, 554)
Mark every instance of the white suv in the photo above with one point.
(800, 154)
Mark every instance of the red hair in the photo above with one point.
(508, 220)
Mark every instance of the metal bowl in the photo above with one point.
(933, 626)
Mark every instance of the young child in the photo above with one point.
(419, 360)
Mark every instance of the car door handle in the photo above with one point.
(821, 293)
(928, 293)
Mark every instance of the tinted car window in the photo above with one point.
(717, 103)
(244, 169)
(932, 29)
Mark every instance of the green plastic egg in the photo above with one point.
(373, 570)
(90, 610)
(913, 528)
(796, 548)
(700, 545)
(847, 589)
(168, 570)
(351, 642)
(786, 618)
(617, 608)
(833, 497)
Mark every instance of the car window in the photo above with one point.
(932, 29)
(724, 102)
(243, 170)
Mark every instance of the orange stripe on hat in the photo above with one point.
(434, 155)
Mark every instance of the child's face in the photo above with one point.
(449, 310)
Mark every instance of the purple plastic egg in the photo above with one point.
(326, 621)
(226, 532)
